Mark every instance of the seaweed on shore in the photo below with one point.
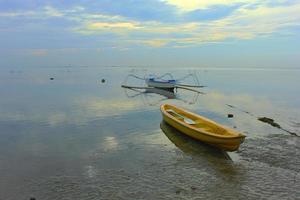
(273, 123)
(264, 119)
(269, 121)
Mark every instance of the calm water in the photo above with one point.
(75, 137)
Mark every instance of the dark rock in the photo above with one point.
(103, 80)
(51, 79)
(230, 115)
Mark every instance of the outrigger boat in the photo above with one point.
(201, 128)
(165, 81)
(160, 83)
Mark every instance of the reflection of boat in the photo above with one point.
(166, 81)
(202, 128)
(150, 94)
(189, 145)
(160, 83)
(164, 92)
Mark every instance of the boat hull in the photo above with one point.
(160, 84)
(225, 143)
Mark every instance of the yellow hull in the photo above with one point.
(203, 129)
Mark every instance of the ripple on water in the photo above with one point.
(162, 173)
(267, 168)
(281, 151)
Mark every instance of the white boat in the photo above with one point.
(160, 83)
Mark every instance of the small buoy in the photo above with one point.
(230, 115)
(103, 80)
(51, 79)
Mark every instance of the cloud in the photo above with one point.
(156, 42)
(39, 52)
(251, 19)
(50, 11)
(112, 25)
(261, 20)
(29, 52)
(192, 5)
(43, 13)
(244, 23)
(16, 14)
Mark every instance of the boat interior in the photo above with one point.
(197, 122)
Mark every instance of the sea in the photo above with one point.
(74, 133)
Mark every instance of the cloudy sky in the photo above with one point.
(162, 33)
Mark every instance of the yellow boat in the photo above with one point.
(201, 128)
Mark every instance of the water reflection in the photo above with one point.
(205, 156)
(79, 139)
(168, 93)
(110, 143)
(154, 96)
(190, 146)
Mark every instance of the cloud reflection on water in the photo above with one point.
(76, 98)
(110, 143)
(75, 138)
(85, 109)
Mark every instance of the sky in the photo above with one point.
(150, 33)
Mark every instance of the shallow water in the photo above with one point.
(75, 137)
